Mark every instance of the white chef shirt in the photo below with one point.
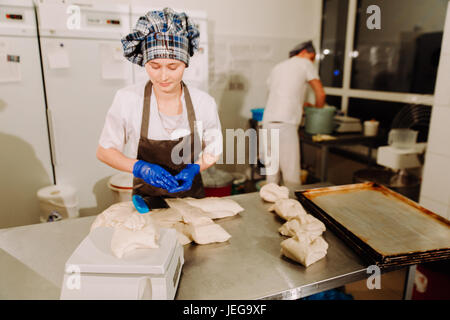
(122, 126)
(287, 84)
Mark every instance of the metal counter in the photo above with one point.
(248, 266)
(341, 139)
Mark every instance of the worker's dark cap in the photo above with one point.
(308, 45)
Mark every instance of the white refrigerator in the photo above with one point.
(25, 161)
(83, 67)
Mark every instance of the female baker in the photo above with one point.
(172, 131)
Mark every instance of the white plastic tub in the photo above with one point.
(122, 186)
(58, 201)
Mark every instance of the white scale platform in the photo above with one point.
(93, 272)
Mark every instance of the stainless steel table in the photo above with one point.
(341, 139)
(248, 266)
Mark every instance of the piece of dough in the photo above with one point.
(166, 218)
(195, 216)
(288, 209)
(207, 233)
(114, 215)
(178, 203)
(216, 204)
(182, 234)
(305, 233)
(310, 222)
(272, 192)
(125, 240)
(212, 207)
(304, 252)
(135, 221)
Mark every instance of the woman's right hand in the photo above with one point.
(154, 175)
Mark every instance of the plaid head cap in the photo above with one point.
(161, 34)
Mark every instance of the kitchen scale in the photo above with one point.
(93, 272)
(347, 124)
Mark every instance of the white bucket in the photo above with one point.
(371, 128)
(122, 186)
(58, 201)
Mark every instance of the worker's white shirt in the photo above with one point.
(123, 121)
(287, 86)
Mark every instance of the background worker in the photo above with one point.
(287, 84)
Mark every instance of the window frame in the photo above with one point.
(346, 92)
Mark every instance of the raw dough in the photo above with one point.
(272, 192)
(177, 203)
(135, 222)
(182, 234)
(187, 216)
(310, 222)
(216, 206)
(198, 225)
(303, 252)
(212, 207)
(132, 230)
(125, 240)
(207, 233)
(195, 216)
(307, 232)
(165, 218)
(288, 208)
(114, 215)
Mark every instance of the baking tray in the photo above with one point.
(382, 226)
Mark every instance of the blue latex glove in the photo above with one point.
(154, 174)
(186, 175)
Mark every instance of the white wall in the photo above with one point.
(435, 191)
(283, 18)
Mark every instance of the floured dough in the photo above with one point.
(132, 230)
(212, 207)
(182, 234)
(125, 240)
(288, 208)
(135, 222)
(303, 252)
(207, 233)
(272, 192)
(219, 214)
(165, 218)
(114, 215)
(177, 203)
(198, 227)
(310, 222)
(305, 233)
(195, 216)
(215, 204)
(191, 218)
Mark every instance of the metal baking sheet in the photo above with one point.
(383, 226)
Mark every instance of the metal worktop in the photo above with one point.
(341, 139)
(248, 266)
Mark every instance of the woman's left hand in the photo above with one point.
(186, 175)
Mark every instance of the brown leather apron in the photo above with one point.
(159, 152)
